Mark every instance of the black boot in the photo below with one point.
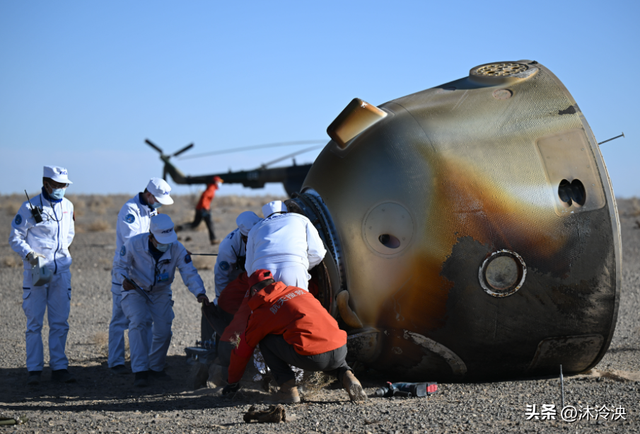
(62, 376)
(34, 378)
(142, 379)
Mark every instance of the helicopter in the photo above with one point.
(291, 177)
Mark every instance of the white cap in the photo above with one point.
(246, 221)
(57, 173)
(159, 188)
(273, 207)
(162, 229)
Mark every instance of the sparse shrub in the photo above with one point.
(98, 226)
(635, 207)
(314, 382)
(11, 261)
(12, 207)
(101, 340)
(204, 262)
(78, 205)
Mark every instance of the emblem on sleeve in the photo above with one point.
(130, 218)
(18, 219)
(224, 265)
(187, 259)
(123, 251)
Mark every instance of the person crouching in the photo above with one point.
(292, 328)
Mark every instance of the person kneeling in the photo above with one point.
(292, 328)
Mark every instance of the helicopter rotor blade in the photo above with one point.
(185, 149)
(150, 143)
(264, 166)
(247, 148)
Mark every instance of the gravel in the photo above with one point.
(102, 402)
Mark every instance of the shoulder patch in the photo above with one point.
(224, 265)
(130, 218)
(123, 251)
(187, 258)
(18, 219)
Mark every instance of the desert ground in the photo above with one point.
(103, 402)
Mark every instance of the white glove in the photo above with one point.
(32, 257)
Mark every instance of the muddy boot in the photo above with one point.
(275, 414)
(288, 394)
(353, 387)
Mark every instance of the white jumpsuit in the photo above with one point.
(288, 245)
(136, 262)
(226, 269)
(50, 238)
(134, 218)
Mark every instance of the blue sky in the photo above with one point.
(84, 83)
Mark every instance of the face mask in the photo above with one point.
(163, 247)
(156, 205)
(57, 193)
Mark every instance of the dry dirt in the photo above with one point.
(102, 402)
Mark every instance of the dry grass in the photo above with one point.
(101, 341)
(236, 204)
(314, 382)
(204, 262)
(11, 261)
(243, 202)
(96, 207)
(635, 207)
(98, 226)
(11, 207)
(78, 206)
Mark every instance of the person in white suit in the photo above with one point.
(150, 260)
(41, 233)
(134, 218)
(285, 243)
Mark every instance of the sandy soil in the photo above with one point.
(102, 402)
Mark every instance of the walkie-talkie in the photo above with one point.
(35, 211)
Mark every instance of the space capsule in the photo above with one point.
(471, 229)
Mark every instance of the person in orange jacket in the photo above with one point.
(203, 210)
(292, 328)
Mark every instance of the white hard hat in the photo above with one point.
(159, 188)
(273, 207)
(57, 173)
(162, 229)
(246, 221)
